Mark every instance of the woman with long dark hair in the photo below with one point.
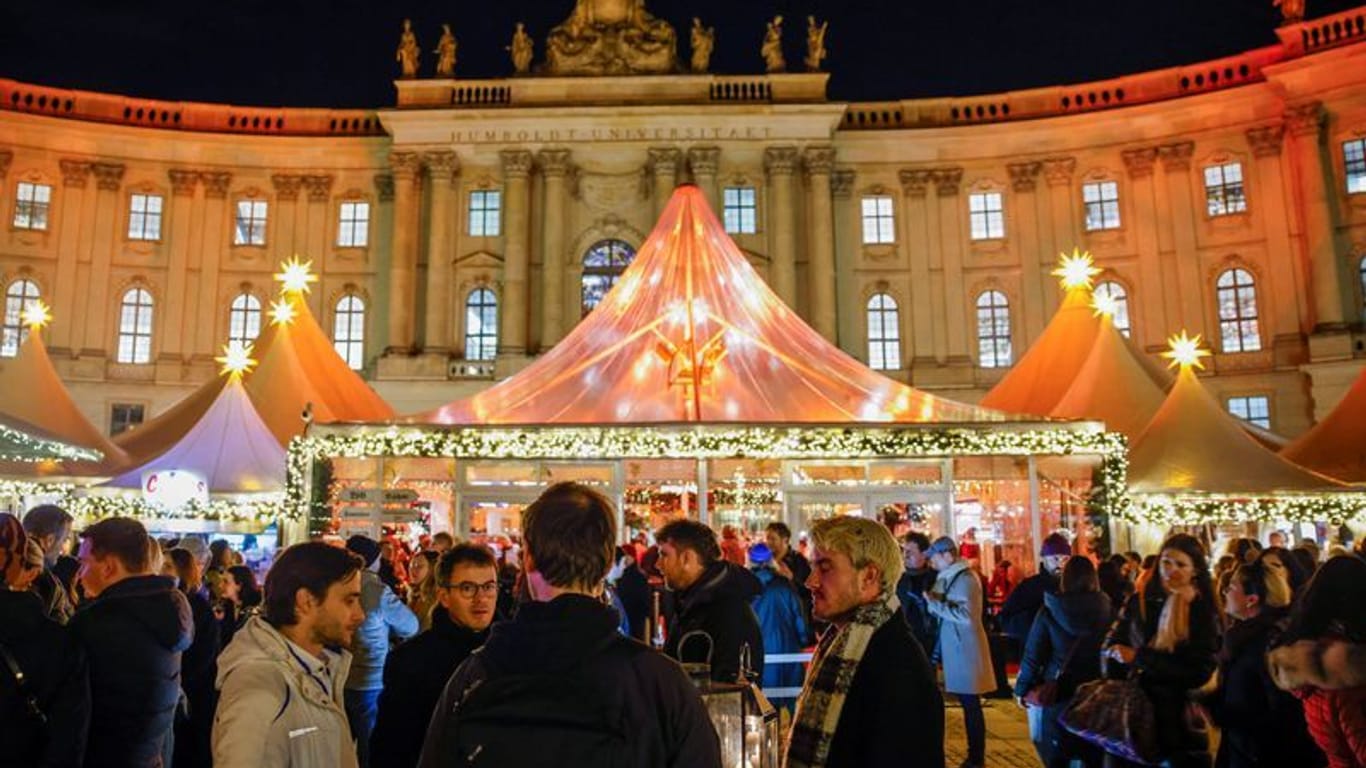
(240, 598)
(1168, 634)
(198, 666)
(1322, 659)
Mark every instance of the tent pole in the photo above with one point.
(1035, 514)
(703, 509)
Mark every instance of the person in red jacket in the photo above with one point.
(1323, 660)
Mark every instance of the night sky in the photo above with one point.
(340, 53)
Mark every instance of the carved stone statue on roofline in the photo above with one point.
(408, 51)
(611, 37)
(1292, 11)
(815, 43)
(445, 53)
(703, 40)
(772, 50)
(522, 49)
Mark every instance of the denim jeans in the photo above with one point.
(362, 707)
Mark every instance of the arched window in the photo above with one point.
(348, 330)
(244, 319)
(884, 333)
(481, 325)
(993, 330)
(1236, 294)
(18, 297)
(1115, 292)
(602, 265)
(135, 327)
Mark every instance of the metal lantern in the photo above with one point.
(745, 721)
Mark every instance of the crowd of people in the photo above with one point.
(566, 648)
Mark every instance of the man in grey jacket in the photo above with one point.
(386, 618)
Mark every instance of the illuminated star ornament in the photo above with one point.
(1185, 351)
(1076, 271)
(1104, 305)
(295, 276)
(282, 312)
(36, 314)
(236, 358)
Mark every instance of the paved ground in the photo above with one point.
(1008, 742)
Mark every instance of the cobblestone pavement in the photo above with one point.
(1008, 744)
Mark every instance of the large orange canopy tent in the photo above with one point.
(1336, 446)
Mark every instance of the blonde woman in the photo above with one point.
(422, 583)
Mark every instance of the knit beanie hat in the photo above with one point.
(1055, 544)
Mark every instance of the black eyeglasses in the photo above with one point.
(470, 588)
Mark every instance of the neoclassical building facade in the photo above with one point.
(466, 229)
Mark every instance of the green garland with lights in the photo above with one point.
(1333, 508)
(263, 510)
(20, 446)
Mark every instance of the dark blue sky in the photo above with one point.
(341, 52)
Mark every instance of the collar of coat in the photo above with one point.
(1326, 663)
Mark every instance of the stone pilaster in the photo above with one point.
(1289, 316)
(1183, 261)
(663, 165)
(443, 169)
(73, 280)
(182, 210)
(1330, 297)
(109, 232)
(1059, 231)
(286, 213)
(516, 251)
(819, 161)
(406, 168)
(915, 184)
(1024, 180)
(1148, 311)
(212, 244)
(948, 184)
(781, 164)
(846, 253)
(555, 167)
(704, 162)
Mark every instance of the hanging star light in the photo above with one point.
(282, 312)
(295, 276)
(36, 314)
(236, 358)
(1076, 271)
(1185, 351)
(1104, 305)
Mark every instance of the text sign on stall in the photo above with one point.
(364, 510)
(174, 488)
(378, 496)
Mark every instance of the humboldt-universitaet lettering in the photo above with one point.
(657, 133)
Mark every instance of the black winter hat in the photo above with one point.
(364, 546)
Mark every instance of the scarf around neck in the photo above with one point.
(827, 686)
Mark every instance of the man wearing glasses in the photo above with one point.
(417, 671)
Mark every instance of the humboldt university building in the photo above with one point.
(464, 230)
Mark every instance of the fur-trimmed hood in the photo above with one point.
(1327, 664)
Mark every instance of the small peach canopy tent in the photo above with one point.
(230, 447)
(1336, 446)
(1114, 385)
(299, 367)
(692, 333)
(32, 392)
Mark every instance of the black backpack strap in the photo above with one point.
(21, 686)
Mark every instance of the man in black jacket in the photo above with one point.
(788, 562)
(565, 645)
(711, 596)
(861, 719)
(417, 671)
(1024, 602)
(133, 626)
(50, 526)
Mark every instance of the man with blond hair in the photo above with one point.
(868, 670)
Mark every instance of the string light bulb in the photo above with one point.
(1076, 270)
(1185, 351)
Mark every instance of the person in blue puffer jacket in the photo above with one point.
(781, 621)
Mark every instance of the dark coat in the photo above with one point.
(910, 590)
(1023, 604)
(718, 603)
(1069, 628)
(894, 713)
(633, 590)
(133, 633)
(664, 712)
(1169, 677)
(1328, 674)
(415, 674)
(54, 666)
(1262, 725)
(198, 670)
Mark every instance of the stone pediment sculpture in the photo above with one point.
(611, 37)
(407, 52)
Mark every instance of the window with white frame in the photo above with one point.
(251, 223)
(353, 224)
(879, 220)
(31, 203)
(1236, 295)
(481, 325)
(1254, 409)
(19, 296)
(740, 210)
(485, 212)
(1224, 192)
(884, 333)
(602, 267)
(1102, 205)
(244, 319)
(348, 330)
(144, 217)
(986, 216)
(1109, 289)
(993, 330)
(135, 327)
(1354, 165)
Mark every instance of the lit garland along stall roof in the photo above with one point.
(24, 442)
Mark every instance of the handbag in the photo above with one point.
(31, 706)
(1115, 715)
(1047, 693)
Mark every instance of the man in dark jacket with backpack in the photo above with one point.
(595, 697)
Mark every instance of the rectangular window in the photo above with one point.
(144, 217)
(1224, 189)
(124, 416)
(1102, 205)
(354, 227)
(1354, 164)
(251, 223)
(485, 209)
(986, 215)
(1254, 409)
(879, 223)
(739, 211)
(31, 202)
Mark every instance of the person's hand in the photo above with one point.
(934, 597)
(1122, 653)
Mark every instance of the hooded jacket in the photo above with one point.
(385, 616)
(665, 716)
(1329, 676)
(276, 708)
(718, 603)
(783, 625)
(56, 674)
(1068, 630)
(133, 633)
